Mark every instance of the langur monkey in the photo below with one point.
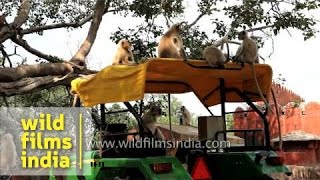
(124, 53)
(171, 44)
(214, 56)
(8, 154)
(149, 120)
(185, 116)
(248, 53)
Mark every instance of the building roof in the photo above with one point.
(181, 129)
(298, 136)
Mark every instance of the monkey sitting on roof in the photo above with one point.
(185, 118)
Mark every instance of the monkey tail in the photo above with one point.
(228, 52)
(258, 87)
(278, 119)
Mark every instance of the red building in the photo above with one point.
(295, 116)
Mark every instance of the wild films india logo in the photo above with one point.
(44, 141)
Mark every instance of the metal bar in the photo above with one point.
(187, 85)
(141, 107)
(122, 134)
(115, 112)
(236, 112)
(103, 116)
(170, 123)
(77, 103)
(263, 116)
(237, 130)
(245, 138)
(103, 126)
(240, 130)
(223, 106)
(138, 118)
(246, 148)
(258, 95)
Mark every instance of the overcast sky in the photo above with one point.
(297, 60)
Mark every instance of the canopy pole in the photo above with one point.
(170, 123)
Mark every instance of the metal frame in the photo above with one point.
(129, 109)
(183, 83)
(243, 95)
(223, 92)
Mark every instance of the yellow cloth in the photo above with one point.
(117, 83)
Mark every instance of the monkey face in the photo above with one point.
(242, 35)
(126, 44)
(176, 28)
(179, 27)
(156, 110)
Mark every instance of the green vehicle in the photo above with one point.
(122, 83)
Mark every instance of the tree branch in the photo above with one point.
(38, 70)
(260, 28)
(9, 30)
(23, 43)
(100, 8)
(209, 9)
(30, 85)
(196, 20)
(5, 33)
(226, 40)
(61, 25)
(23, 14)
(5, 56)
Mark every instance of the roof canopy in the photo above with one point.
(121, 83)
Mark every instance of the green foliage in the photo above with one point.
(196, 39)
(54, 97)
(162, 99)
(124, 118)
(276, 15)
(229, 121)
(147, 9)
(175, 108)
(143, 47)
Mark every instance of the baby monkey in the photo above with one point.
(171, 44)
(123, 54)
(214, 56)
